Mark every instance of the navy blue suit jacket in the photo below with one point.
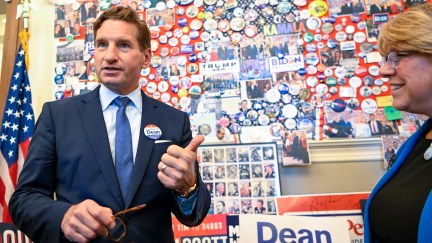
(70, 156)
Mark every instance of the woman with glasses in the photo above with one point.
(399, 208)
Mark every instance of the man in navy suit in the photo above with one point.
(72, 154)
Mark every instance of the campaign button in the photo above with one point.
(338, 105)
(152, 131)
(369, 106)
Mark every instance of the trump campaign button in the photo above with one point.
(152, 131)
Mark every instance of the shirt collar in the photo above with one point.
(107, 96)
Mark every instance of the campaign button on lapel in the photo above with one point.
(152, 131)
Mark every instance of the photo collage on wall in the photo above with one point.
(241, 178)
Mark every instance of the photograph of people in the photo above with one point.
(257, 171)
(362, 128)
(72, 195)
(231, 155)
(246, 206)
(259, 208)
(220, 207)
(243, 154)
(233, 189)
(375, 125)
(352, 6)
(220, 189)
(234, 207)
(219, 155)
(257, 189)
(245, 190)
(244, 171)
(268, 153)
(209, 186)
(407, 184)
(232, 172)
(207, 172)
(219, 172)
(269, 171)
(256, 154)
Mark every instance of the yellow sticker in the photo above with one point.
(318, 8)
(384, 101)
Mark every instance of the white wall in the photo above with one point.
(42, 53)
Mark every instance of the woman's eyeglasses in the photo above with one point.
(117, 233)
(394, 57)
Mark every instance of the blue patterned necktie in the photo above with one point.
(123, 146)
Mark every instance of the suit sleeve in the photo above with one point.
(202, 203)
(32, 205)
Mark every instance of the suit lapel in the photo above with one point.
(150, 115)
(94, 125)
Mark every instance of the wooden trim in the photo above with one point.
(10, 47)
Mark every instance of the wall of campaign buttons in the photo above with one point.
(312, 62)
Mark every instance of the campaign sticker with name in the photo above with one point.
(152, 131)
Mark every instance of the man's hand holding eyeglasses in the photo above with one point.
(86, 220)
(177, 166)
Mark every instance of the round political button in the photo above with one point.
(305, 123)
(304, 94)
(327, 28)
(359, 37)
(290, 124)
(289, 111)
(373, 70)
(318, 8)
(341, 36)
(237, 24)
(365, 91)
(338, 105)
(151, 87)
(369, 106)
(355, 82)
(312, 81)
(353, 103)
(273, 95)
(321, 89)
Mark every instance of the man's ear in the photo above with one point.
(147, 56)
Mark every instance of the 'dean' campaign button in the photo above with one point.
(152, 131)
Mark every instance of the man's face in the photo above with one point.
(221, 188)
(118, 58)
(220, 207)
(221, 134)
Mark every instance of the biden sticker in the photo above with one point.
(152, 131)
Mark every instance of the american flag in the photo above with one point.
(15, 132)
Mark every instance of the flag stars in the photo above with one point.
(27, 88)
(6, 124)
(9, 112)
(19, 64)
(16, 76)
(10, 153)
(17, 114)
(12, 140)
(15, 127)
(14, 88)
(12, 99)
(3, 137)
(25, 129)
(29, 116)
(21, 52)
(19, 102)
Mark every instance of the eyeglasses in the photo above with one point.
(117, 233)
(394, 57)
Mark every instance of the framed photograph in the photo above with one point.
(241, 178)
